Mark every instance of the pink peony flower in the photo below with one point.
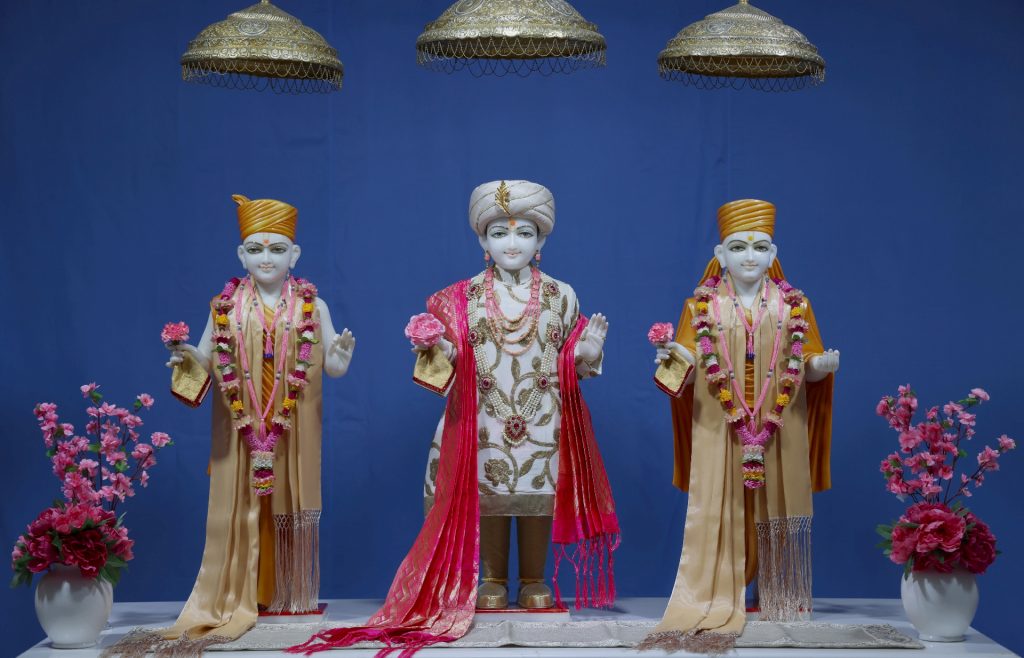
(174, 332)
(424, 330)
(938, 527)
(43, 553)
(660, 333)
(159, 439)
(145, 399)
(980, 394)
(979, 550)
(904, 543)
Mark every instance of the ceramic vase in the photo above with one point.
(71, 608)
(941, 606)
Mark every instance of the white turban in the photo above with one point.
(516, 199)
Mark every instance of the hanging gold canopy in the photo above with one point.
(260, 47)
(510, 36)
(742, 45)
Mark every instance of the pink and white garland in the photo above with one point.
(730, 393)
(260, 440)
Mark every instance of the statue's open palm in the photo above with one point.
(591, 343)
(342, 348)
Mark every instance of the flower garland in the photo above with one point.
(736, 410)
(261, 442)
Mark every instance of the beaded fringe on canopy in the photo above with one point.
(297, 562)
(784, 568)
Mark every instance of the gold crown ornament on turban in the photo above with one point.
(265, 216)
(746, 215)
(514, 199)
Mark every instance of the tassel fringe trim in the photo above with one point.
(705, 642)
(141, 642)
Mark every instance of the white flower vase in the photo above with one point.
(71, 608)
(941, 606)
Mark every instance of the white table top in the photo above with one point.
(126, 616)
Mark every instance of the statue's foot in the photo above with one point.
(535, 596)
(491, 596)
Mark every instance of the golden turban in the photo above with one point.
(746, 215)
(265, 216)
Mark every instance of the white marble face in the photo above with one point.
(746, 255)
(512, 242)
(268, 257)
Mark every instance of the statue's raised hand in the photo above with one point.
(339, 352)
(591, 343)
(822, 365)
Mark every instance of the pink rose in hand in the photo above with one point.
(660, 333)
(424, 330)
(174, 332)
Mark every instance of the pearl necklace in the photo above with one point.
(514, 431)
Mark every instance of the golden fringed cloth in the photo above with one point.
(733, 533)
(261, 551)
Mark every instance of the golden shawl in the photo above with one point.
(247, 550)
(728, 526)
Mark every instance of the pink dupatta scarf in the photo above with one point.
(433, 596)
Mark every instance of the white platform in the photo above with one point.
(839, 611)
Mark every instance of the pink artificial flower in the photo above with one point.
(1006, 443)
(966, 419)
(145, 399)
(122, 486)
(910, 439)
(132, 421)
(660, 333)
(174, 332)
(424, 330)
(951, 408)
(882, 409)
(88, 466)
(43, 523)
(78, 488)
(87, 389)
(107, 409)
(980, 394)
(904, 543)
(159, 439)
(143, 453)
(979, 549)
(939, 528)
(43, 553)
(987, 459)
(144, 478)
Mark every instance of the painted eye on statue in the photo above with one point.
(278, 248)
(737, 247)
(762, 247)
(525, 232)
(253, 248)
(499, 232)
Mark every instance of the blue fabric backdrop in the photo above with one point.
(898, 185)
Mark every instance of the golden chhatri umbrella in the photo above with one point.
(260, 47)
(738, 46)
(510, 36)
